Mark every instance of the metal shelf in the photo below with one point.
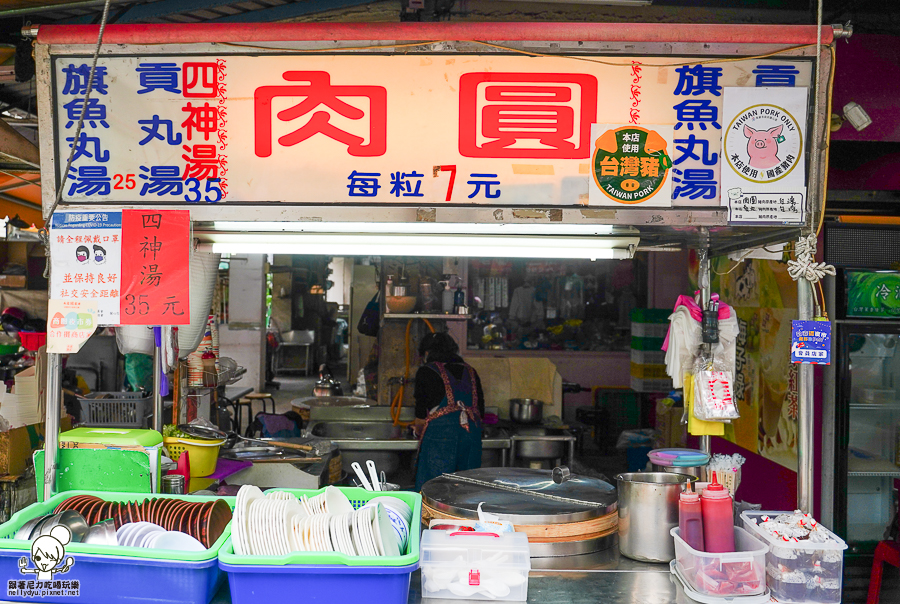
(878, 468)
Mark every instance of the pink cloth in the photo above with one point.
(696, 312)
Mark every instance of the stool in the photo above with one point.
(238, 405)
(262, 396)
(886, 551)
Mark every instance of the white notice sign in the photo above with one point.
(86, 260)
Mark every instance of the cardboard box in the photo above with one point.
(17, 445)
(13, 281)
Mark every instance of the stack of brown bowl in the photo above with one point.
(203, 520)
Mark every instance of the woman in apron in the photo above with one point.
(449, 407)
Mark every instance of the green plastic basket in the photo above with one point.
(9, 528)
(358, 498)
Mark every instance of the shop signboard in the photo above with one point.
(763, 172)
(393, 129)
(873, 295)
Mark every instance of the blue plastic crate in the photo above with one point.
(334, 584)
(120, 580)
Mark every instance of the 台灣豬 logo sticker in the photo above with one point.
(763, 143)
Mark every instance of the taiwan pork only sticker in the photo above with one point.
(763, 172)
(630, 165)
(811, 342)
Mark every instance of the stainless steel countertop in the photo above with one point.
(603, 577)
(403, 444)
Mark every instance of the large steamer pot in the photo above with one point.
(698, 471)
(526, 410)
(648, 510)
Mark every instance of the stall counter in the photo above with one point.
(604, 576)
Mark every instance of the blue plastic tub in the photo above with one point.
(334, 584)
(118, 579)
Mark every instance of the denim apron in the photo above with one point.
(451, 440)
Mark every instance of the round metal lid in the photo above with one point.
(577, 499)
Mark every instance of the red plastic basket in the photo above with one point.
(33, 340)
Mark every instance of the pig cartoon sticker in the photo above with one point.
(762, 146)
(763, 143)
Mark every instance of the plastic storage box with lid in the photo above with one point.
(327, 576)
(800, 571)
(475, 566)
(726, 575)
(109, 574)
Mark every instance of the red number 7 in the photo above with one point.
(452, 171)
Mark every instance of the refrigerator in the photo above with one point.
(867, 419)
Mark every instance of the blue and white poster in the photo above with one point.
(811, 342)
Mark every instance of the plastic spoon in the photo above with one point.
(361, 475)
(374, 474)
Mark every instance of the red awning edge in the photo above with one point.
(789, 35)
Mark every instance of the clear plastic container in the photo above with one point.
(803, 571)
(475, 566)
(738, 573)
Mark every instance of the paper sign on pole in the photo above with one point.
(156, 267)
(811, 342)
(763, 173)
(71, 324)
(86, 260)
(630, 165)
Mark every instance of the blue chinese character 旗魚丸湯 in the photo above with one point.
(159, 76)
(401, 184)
(697, 79)
(686, 147)
(693, 183)
(696, 111)
(94, 112)
(486, 181)
(151, 127)
(363, 184)
(776, 75)
(89, 180)
(77, 79)
(161, 180)
(88, 146)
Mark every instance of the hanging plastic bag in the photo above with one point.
(368, 320)
(714, 396)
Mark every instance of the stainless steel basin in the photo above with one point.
(358, 430)
(538, 449)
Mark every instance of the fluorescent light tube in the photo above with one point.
(359, 244)
(446, 228)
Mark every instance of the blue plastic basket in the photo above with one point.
(334, 584)
(117, 580)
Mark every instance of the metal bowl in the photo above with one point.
(526, 410)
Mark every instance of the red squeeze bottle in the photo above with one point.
(690, 519)
(718, 518)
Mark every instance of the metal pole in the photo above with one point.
(51, 422)
(805, 423)
(157, 382)
(705, 293)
